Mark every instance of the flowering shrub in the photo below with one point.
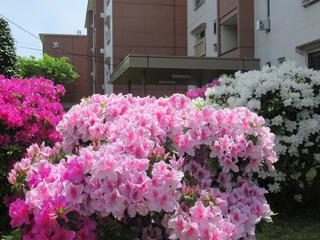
(29, 113)
(200, 92)
(288, 98)
(146, 168)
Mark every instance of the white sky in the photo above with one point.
(42, 16)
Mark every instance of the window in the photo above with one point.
(199, 34)
(314, 60)
(108, 36)
(197, 3)
(214, 27)
(215, 47)
(268, 64)
(200, 44)
(281, 60)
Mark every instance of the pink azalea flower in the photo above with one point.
(190, 232)
(19, 213)
(237, 217)
(114, 203)
(121, 161)
(12, 177)
(198, 213)
(62, 233)
(87, 230)
(185, 144)
(105, 167)
(74, 171)
(73, 193)
(160, 198)
(228, 163)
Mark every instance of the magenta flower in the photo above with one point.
(19, 213)
(63, 234)
(200, 92)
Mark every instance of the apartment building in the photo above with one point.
(288, 30)
(144, 47)
(270, 30)
(221, 28)
(202, 28)
(95, 33)
(118, 28)
(74, 47)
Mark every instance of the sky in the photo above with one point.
(28, 18)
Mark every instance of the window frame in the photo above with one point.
(312, 55)
(198, 3)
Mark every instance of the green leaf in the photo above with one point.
(169, 146)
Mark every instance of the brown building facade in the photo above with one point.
(236, 28)
(149, 27)
(74, 47)
(117, 28)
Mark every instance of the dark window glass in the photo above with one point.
(314, 60)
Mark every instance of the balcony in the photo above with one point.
(200, 48)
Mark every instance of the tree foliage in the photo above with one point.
(8, 57)
(59, 70)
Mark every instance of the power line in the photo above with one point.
(20, 27)
(86, 57)
(36, 49)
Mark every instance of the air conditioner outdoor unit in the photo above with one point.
(263, 25)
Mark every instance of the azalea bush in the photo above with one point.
(200, 92)
(29, 112)
(146, 168)
(288, 98)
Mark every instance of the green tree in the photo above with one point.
(59, 70)
(8, 57)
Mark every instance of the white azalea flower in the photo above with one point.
(275, 187)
